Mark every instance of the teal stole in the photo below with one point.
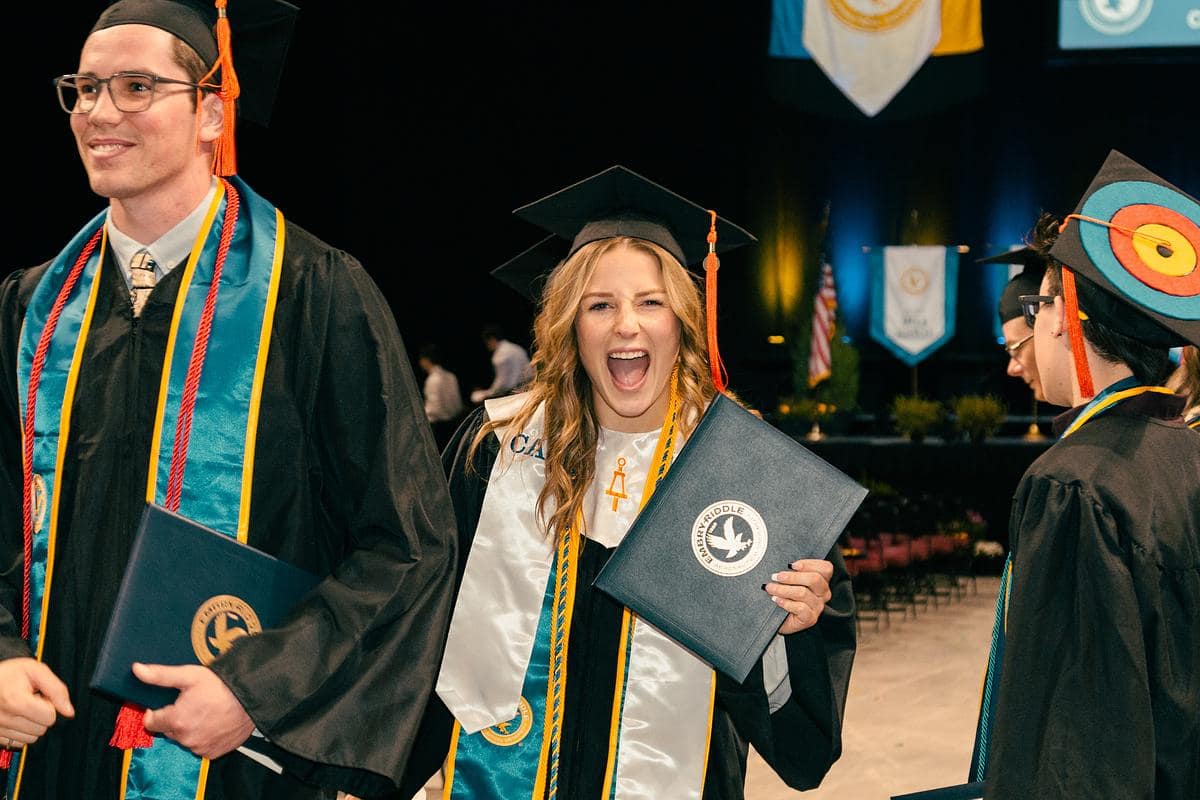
(207, 417)
(1107, 399)
(519, 758)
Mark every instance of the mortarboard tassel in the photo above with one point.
(225, 151)
(130, 730)
(1082, 371)
(711, 265)
(6, 759)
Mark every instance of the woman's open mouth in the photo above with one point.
(628, 368)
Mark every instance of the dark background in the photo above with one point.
(406, 133)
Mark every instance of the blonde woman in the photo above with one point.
(549, 688)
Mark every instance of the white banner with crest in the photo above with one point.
(871, 48)
(913, 299)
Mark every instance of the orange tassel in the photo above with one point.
(130, 732)
(225, 149)
(711, 265)
(1082, 371)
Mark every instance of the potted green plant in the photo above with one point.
(916, 415)
(978, 416)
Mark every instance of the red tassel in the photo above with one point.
(5, 759)
(130, 732)
(1083, 373)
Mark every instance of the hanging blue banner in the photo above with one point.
(913, 298)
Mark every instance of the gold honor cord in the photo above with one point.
(563, 611)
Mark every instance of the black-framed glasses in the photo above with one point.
(1031, 304)
(130, 91)
(1012, 349)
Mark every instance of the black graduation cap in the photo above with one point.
(1027, 281)
(1135, 241)
(526, 272)
(619, 202)
(261, 32)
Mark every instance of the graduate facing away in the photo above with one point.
(1092, 676)
(192, 348)
(550, 688)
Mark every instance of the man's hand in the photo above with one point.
(31, 699)
(802, 592)
(206, 718)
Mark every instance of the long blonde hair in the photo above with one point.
(560, 382)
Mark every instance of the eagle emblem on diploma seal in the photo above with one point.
(729, 538)
(873, 16)
(506, 734)
(219, 622)
(1115, 17)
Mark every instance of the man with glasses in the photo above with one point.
(191, 348)
(1018, 335)
(1098, 624)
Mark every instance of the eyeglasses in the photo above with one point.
(130, 91)
(1031, 304)
(1012, 349)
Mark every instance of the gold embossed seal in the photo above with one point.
(219, 622)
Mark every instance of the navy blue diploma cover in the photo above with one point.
(964, 791)
(188, 593)
(742, 501)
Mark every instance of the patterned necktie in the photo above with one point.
(141, 279)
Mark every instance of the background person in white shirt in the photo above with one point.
(510, 363)
(443, 400)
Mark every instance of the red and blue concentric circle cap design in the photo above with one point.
(1138, 238)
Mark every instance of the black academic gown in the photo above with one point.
(1100, 691)
(346, 484)
(800, 741)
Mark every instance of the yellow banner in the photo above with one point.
(962, 28)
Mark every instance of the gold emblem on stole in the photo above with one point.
(219, 622)
(506, 734)
(39, 503)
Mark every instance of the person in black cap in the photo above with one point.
(605, 705)
(1098, 623)
(1018, 336)
(191, 348)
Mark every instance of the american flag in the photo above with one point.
(824, 308)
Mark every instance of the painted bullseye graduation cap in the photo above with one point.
(615, 202)
(1137, 238)
(1027, 281)
(260, 33)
